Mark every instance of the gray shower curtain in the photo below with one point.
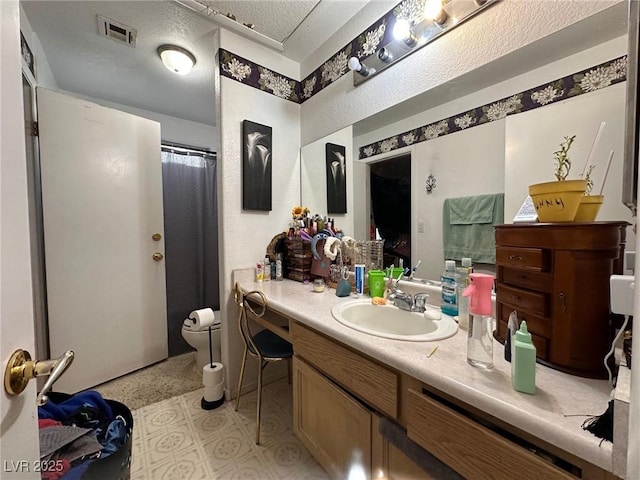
(191, 237)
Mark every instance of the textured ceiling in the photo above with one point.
(276, 19)
(85, 63)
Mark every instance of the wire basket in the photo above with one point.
(368, 253)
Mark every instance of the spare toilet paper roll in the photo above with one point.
(203, 317)
(212, 376)
(211, 394)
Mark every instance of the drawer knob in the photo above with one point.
(515, 297)
(515, 257)
(522, 277)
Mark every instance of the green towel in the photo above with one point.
(467, 227)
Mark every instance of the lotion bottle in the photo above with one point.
(523, 361)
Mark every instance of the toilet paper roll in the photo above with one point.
(212, 376)
(211, 394)
(203, 317)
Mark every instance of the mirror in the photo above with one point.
(504, 155)
(313, 175)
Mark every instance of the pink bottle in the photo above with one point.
(480, 340)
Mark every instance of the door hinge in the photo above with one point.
(34, 129)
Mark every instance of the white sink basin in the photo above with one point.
(389, 321)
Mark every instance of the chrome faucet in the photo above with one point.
(404, 301)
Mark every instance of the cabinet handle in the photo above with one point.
(522, 277)
(563, 303)
(515, 257)
(515, 297)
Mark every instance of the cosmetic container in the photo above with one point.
(462, 283)
(359, 274)
(266, 275)
(279, 276)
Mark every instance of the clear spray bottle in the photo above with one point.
(480, 340)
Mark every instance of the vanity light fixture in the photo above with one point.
(402, 31)
(385, 55)
(176, 59)
(433, 11)
(408, 38)
(355, 65)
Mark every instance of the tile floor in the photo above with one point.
(177, 439)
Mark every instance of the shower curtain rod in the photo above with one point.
(181, 148)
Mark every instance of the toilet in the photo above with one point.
(199, 339)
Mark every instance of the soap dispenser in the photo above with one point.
(523, 361)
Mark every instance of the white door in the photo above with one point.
(102, 205)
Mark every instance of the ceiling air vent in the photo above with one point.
(116, 31)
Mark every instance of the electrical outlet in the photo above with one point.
(420, 227)
(622, 289)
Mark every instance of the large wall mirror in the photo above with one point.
(580, 87)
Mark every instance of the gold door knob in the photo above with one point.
(156, 237)
(20, 369)
(157, 256)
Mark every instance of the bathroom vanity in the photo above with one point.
(439, 416)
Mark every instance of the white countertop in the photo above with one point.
(554, 414)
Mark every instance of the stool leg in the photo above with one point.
(244, 362)
(260, 369)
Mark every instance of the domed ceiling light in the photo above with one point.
(176, 59)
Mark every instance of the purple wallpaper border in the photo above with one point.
(585, 81)
(588, 80)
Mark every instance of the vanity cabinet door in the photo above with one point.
(334, 427)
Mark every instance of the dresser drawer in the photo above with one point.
(538, 325)
(470, 448)
(533, 259)
(540, 282)
(368, 380)
(533, 302)
(541, 343)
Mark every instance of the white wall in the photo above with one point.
(244, 235)
(313, 177)
(460, 171)
(503, 28)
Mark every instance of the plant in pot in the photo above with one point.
(589, 204)
(559, 201)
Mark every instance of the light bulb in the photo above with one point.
(402, 31)
(176, 59)
(355, 65)
(433, 11)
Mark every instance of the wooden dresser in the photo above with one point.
(556, 275)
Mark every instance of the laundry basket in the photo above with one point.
(117, 465)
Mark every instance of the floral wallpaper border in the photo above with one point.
(585, 81)
(249, 73)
